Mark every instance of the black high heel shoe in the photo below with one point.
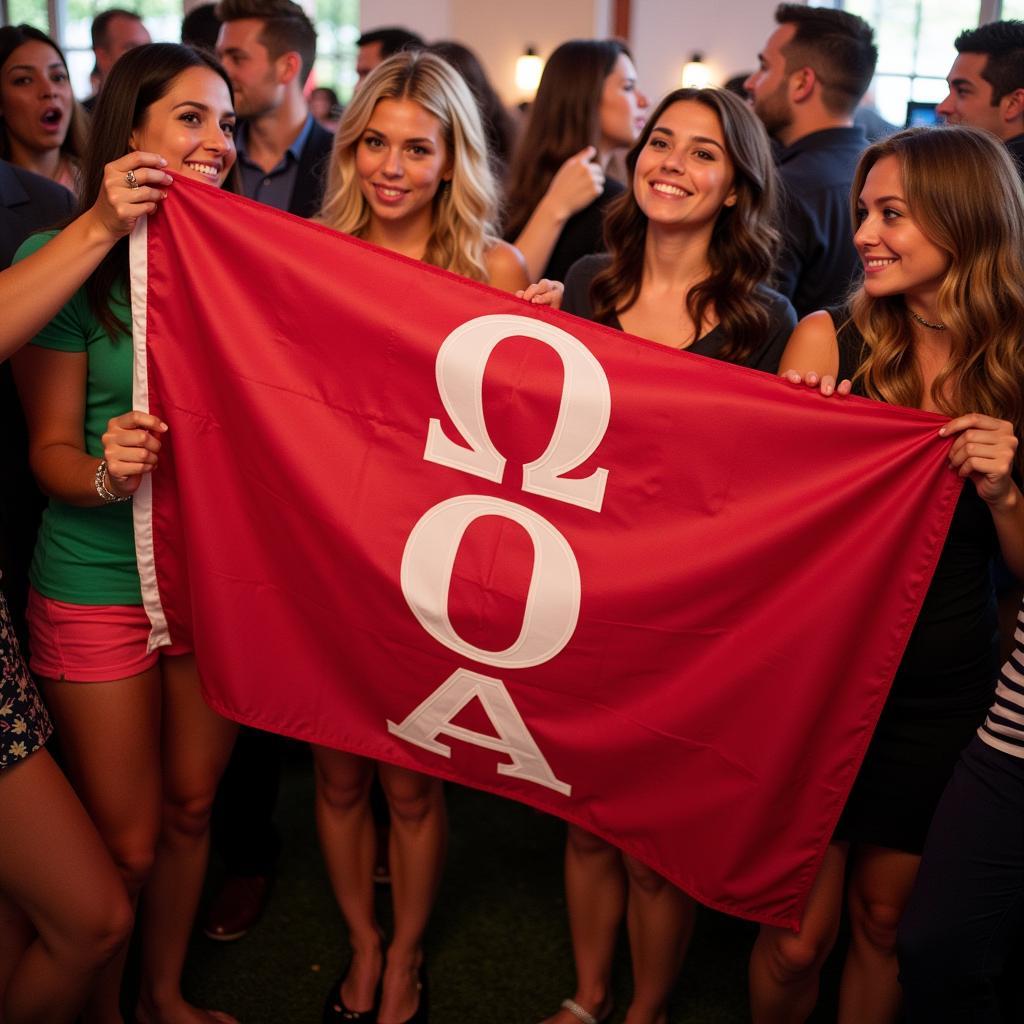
(422, 1013)
(336, 1012)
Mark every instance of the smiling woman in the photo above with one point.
(691, 244)
(192, 126)
(410, 173)
(41, 125)
(935, 325)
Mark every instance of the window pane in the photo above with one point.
(162, 19)
(941, 23)
(29, 12)
(337, 29)
(929, 90)
(1012, 9)
(891, 95)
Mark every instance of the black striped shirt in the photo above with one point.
(1004, 726)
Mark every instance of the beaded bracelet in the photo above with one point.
(100, 482)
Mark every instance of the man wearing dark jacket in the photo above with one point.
(268, 48)
(28, 203)
(813, 71)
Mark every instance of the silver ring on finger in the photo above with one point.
(131, 181)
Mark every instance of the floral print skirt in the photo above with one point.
(24, 722)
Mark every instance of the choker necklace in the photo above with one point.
(927, 323)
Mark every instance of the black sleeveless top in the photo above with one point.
(952, 657)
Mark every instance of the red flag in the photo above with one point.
(405, 515)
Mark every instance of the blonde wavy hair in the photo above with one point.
(963, 191)
(465, 211)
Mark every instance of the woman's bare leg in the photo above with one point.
(348, 842)
(660, 919)
(195, 746)
(880, 885)
(54, 866)
(419, 839)
(785, 966)
(595, 893)
(110, 736)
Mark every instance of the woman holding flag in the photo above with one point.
(938, 325)
(410, 173)
(63, 910)
(142, 749)
(690, 247)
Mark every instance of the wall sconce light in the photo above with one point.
(696, 74)
(529, 68)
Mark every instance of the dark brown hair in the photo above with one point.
(100, 29)
(499, 127)
(563, 120)
(138, 80)
(1003, 43)
(286, 27)
(743, 241)
(838, 46)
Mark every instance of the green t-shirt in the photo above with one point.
(87, 555)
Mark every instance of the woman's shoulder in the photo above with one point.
(812, 346)
(506, 268)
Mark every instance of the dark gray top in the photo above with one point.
(781, 318)
(296, 185)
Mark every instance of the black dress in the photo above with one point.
(944, 684)
(582, 233)
(781, 317)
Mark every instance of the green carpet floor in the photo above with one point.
(498, 945)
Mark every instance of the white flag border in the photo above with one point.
(142, 512)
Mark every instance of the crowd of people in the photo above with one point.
(762, 231)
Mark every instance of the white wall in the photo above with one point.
(664, 33)
(500, 30)
(728, 33)
(430, 18)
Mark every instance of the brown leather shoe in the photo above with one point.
(237, 907)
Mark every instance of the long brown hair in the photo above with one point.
(138, 80)
(564, 118)
(963, 191)
(499, 127)
(743, 240)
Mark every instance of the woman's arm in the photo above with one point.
(51, 385)
(34, 289)
(543, 293)
(505, 268)
(984, 450)
(576, 184)
(811, 355)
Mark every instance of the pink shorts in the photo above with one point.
(87, 643)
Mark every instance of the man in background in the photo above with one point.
(986, 84)
(812, 73)
(268, 48)
(378, 44)
(114, 33)
(28, 203)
